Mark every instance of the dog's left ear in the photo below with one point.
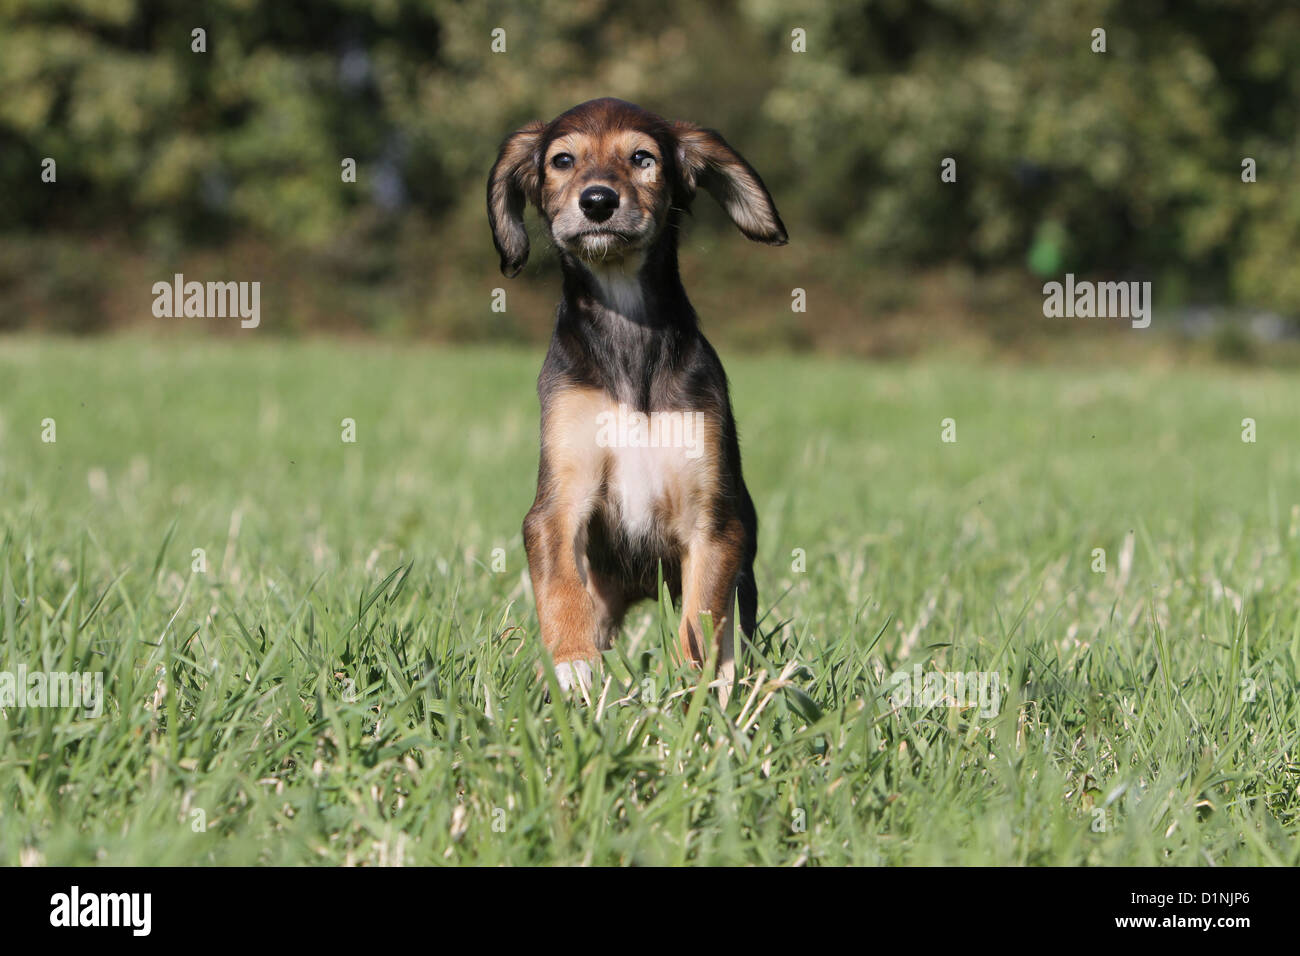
(706, 161)
(513, 182)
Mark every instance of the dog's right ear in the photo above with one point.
(514, 181)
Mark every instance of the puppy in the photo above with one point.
(640, 463)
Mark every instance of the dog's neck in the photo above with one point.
(643, 287)
(631, 318)
(616, 286)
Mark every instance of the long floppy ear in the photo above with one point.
(705, 160)
(513, 182)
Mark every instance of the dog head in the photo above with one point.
(605, 177)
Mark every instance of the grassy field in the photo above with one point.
(349, 677)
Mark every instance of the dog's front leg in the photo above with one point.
(709, 571)
(555, 541)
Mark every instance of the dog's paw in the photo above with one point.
(573, 675)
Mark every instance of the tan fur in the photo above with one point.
(709, 574)
(577, 608)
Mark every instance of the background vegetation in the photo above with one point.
(226, 164)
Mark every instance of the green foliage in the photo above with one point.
(352, 680)
(1132, 155)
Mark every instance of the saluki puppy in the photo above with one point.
(640, 462)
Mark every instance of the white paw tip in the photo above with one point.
(573, 674)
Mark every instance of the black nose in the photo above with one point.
(598, 203)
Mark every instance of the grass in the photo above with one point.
(352, 678)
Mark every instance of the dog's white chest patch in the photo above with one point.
(658, 466)
(652, 474)
(644, 480)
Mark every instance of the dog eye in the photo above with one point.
(562, 161)
(643, 159)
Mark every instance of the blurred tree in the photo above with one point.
(1127, 161)
(1134, 154)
